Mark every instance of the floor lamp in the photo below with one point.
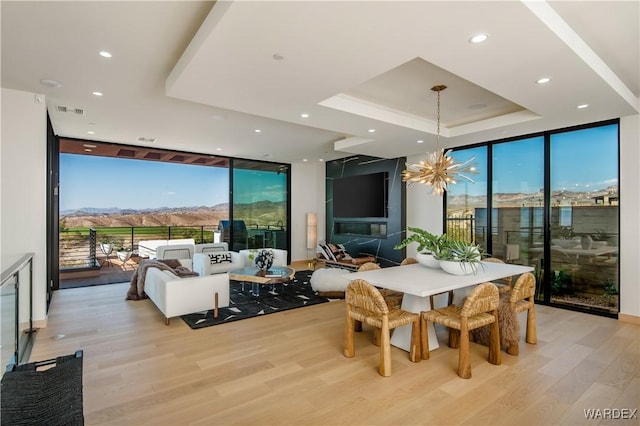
(312, 237)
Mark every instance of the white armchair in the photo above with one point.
(184, 252)
(279, 256)
(216, 263)
(211, 247)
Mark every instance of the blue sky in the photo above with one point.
(102, 182)
(580, 160)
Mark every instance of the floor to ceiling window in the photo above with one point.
(467, 201)
(260, 206)
(113, 197)
(583, 217)
(553, 200)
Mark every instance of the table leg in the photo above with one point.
(401, 337)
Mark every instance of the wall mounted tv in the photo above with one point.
(361, 195)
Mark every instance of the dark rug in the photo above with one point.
(295, 294)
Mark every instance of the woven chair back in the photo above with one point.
(524, 287)
(369, 266)
(483, 298)
(365, 299)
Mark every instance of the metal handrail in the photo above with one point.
(11, 277)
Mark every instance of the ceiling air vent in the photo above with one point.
(70, 110)
(143, 139)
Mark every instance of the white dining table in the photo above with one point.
(418, 282)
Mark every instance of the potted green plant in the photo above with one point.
(123, 252)
(459, 257)
(106, 245)
(429, 245)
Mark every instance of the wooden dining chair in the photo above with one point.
(505, 286)
(392, 297)
(364, 303)
(522, 299)
(479, 309)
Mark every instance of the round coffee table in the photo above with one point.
(257, 278)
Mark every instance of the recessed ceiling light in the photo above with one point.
(583, 106)
(321, 159)
(104, 54)
(87, 150)
(50, 83)
(87, 145)
(218, 149)
(304, 159)
(478, 38)
(304, 115)
(257, 130)
(420, 141)
(372, 130)
(97, 93)
(543, 80)
(218, 117)
(91, 132)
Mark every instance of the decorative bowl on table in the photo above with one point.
(458, 268)
(428, 260)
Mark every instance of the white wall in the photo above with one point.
(629, 208)
(307, 196)
(422, 212)
(23, 167)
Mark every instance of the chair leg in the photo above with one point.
(454, 338)
(431, 299)
(495, 355)
(532, 333)
(464, 363)
(376, 336)
(513, 349)
(414, 351)
(349, 346)
(215, 305)
(424, 338)
(385, 353)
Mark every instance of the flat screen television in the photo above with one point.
(360, 196)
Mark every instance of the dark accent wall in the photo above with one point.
(369, 235)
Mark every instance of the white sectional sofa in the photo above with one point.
(176, 296)
(216, 263)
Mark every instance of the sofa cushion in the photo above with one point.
(215, 258)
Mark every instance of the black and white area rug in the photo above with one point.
(295, 294)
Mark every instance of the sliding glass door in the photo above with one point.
(584, 218)
(260, 207)
(553, 200)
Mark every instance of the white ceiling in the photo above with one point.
(201, 77)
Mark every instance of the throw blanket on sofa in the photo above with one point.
(136, 287)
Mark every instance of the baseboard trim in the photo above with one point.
(633, 319)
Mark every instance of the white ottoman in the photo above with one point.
(330, 282)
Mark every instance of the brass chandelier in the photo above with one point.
(439, 169)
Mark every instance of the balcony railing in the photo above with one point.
(80, 247)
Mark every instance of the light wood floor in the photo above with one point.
(288, 368)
